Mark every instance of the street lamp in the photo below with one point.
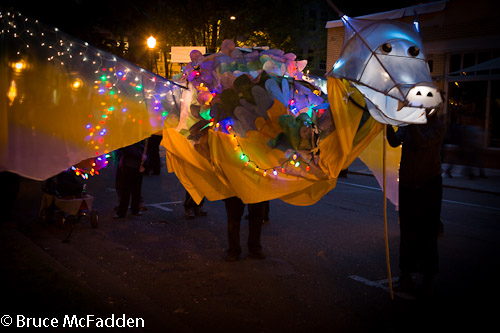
(151, 41)
(233, 18)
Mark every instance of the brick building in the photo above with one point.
(462, 44)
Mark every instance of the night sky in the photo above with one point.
(73, 15)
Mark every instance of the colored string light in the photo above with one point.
(293, 161)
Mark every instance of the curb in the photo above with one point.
(444, 185)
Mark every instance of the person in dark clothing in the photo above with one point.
(256, 214)
(128, 181)
(10, 185)
(192, 209)
(420, 196)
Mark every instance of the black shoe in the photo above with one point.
(189, 214)
(199, 211)
(265, 221)
(117, 216)
(428, 285)
(440, 229)
(232, 257)
(137, 213)
(256, 255)
(406, 286)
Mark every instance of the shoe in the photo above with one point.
(189, 214)
(406, 286)
(440, 229)
(117, 216)
(199, 211)
(428, 285)
(137, 214)
(265, 221)
(232, 257)
(256, 255)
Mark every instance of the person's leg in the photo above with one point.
(154, 153)
(189, 205)
(266, 212)
(123, 184)
(136, 184)
(119, 184)
(198, 209)
(234, 211)
(430, 258)
(408, 245)
(256, 214)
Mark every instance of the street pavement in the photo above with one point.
(326, 269)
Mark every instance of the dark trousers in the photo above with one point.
(189, 203)
(419, 217)
(256, 212)
(266, 210)
(128, 186)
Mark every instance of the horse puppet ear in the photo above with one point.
(416, 23)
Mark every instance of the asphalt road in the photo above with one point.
(325, 271)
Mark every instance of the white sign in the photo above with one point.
(180, 54)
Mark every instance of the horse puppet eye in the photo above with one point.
(386, 48)
(413, 51)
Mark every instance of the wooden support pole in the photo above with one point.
(388, 261)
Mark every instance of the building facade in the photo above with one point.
(462, 45)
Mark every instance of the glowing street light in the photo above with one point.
(151, 42)
(233, 19)
(19, 66)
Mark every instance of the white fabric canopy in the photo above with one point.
(63, 101)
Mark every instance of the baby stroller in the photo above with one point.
(64, 200)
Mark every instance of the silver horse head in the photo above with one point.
(384, 60)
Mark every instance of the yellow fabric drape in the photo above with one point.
(372, 157)
(223, 173)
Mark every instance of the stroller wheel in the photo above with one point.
(94, 218)
(60, 219)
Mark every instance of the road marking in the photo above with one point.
(444, 200)
(362, 186)
(160, 205)
(469, 204)
(382, 284)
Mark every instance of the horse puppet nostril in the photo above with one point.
(430, 94)
(418, 93)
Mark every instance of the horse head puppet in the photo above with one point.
(384, 60)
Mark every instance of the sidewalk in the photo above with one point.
(488, 184)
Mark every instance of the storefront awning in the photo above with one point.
(484, 66)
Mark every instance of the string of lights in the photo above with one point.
(117, 90)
